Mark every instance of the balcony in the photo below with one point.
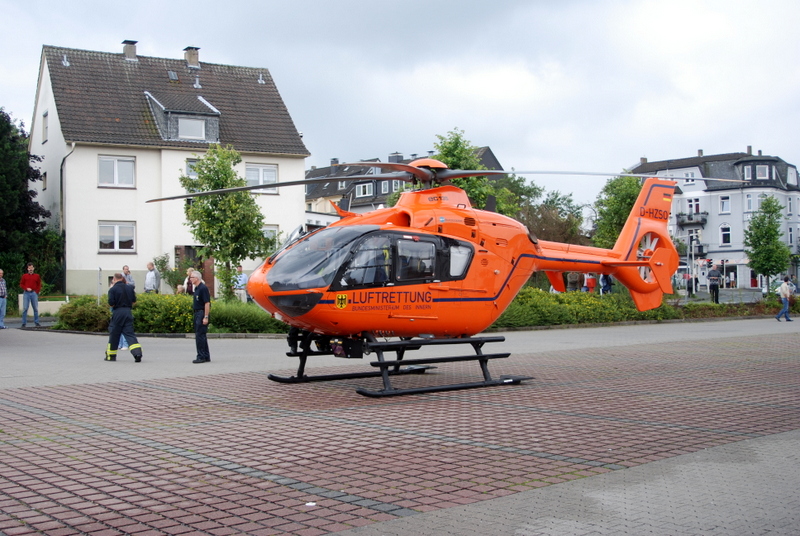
(691, 218)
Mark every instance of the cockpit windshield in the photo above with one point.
(313, 261)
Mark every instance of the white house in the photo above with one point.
(712, 215)
(118, 129)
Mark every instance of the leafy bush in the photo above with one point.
(84, 314)
(536, 307)
(238, 317)
(163, 313)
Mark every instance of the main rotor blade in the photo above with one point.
(618, 174)
(422, 174)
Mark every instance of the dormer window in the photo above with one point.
(191, 129)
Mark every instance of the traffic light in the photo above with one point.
(709, 263)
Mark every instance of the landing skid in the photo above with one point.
(301, 342)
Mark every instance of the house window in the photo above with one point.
(44, 181)
(191, 129)
(791, 236)
(118, 171)
(689, 177)
(694, 205)
(762, 172)
(761, 198)
(725, 235)
(45, 127)
(748, 202)
(364, 190)
(258, 174)
(748, 173)
(725, 204)
(384, 187)
(116, 236)
(789, 205)
(397, 185)
(342, 185)
(271, 232)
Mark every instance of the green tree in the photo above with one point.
(20, 214)
(768, 255)
(458, 153)
(556, 218)
(228, 224)
(613, 206)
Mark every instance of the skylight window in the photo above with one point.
(173, 76)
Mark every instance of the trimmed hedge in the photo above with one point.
(170, 313)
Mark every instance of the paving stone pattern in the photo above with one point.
(238, 454)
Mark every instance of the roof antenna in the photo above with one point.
(65, 61)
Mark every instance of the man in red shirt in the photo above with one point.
(31, 285)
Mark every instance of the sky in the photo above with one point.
(586, 85)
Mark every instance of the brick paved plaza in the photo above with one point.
(230, 452)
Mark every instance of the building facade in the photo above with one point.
(362, 195)
(118, 129)
(710, 216)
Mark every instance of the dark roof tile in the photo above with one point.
(100, 98)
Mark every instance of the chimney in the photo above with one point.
(129, 50)
(749, 149)
(643, 160)
(192, 57)
(699, 152)
(334, 162)
(759, 152)
(396, 158)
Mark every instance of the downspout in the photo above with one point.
(62, 219)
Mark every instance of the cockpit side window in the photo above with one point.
(415, 260)
(370, 264)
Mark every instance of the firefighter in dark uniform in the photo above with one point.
(121, 298)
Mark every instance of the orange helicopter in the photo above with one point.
(433, 270)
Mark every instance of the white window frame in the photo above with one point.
(748, 202)
(688, 177)
(762, 172)
(45, 126)
(725, 230)
(761, 198)
(257, 174)
(789, 205)
(364, 189)
(271, 231)
(116, 226)
(724, 204)
(693, 205)
(384, 187)
(396, 185)
(115, 161)
(748, 173)
(342, 185)
(188, 126)
(791, 236)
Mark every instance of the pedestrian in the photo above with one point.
(3, 300)
(152, 280)
(785, 291)
(201, 304)
(31, 285)
(573, 281)
(188, 286)
(126, 273)
(241, 285)
(605, 284)
(121, 298)
(714, 279)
